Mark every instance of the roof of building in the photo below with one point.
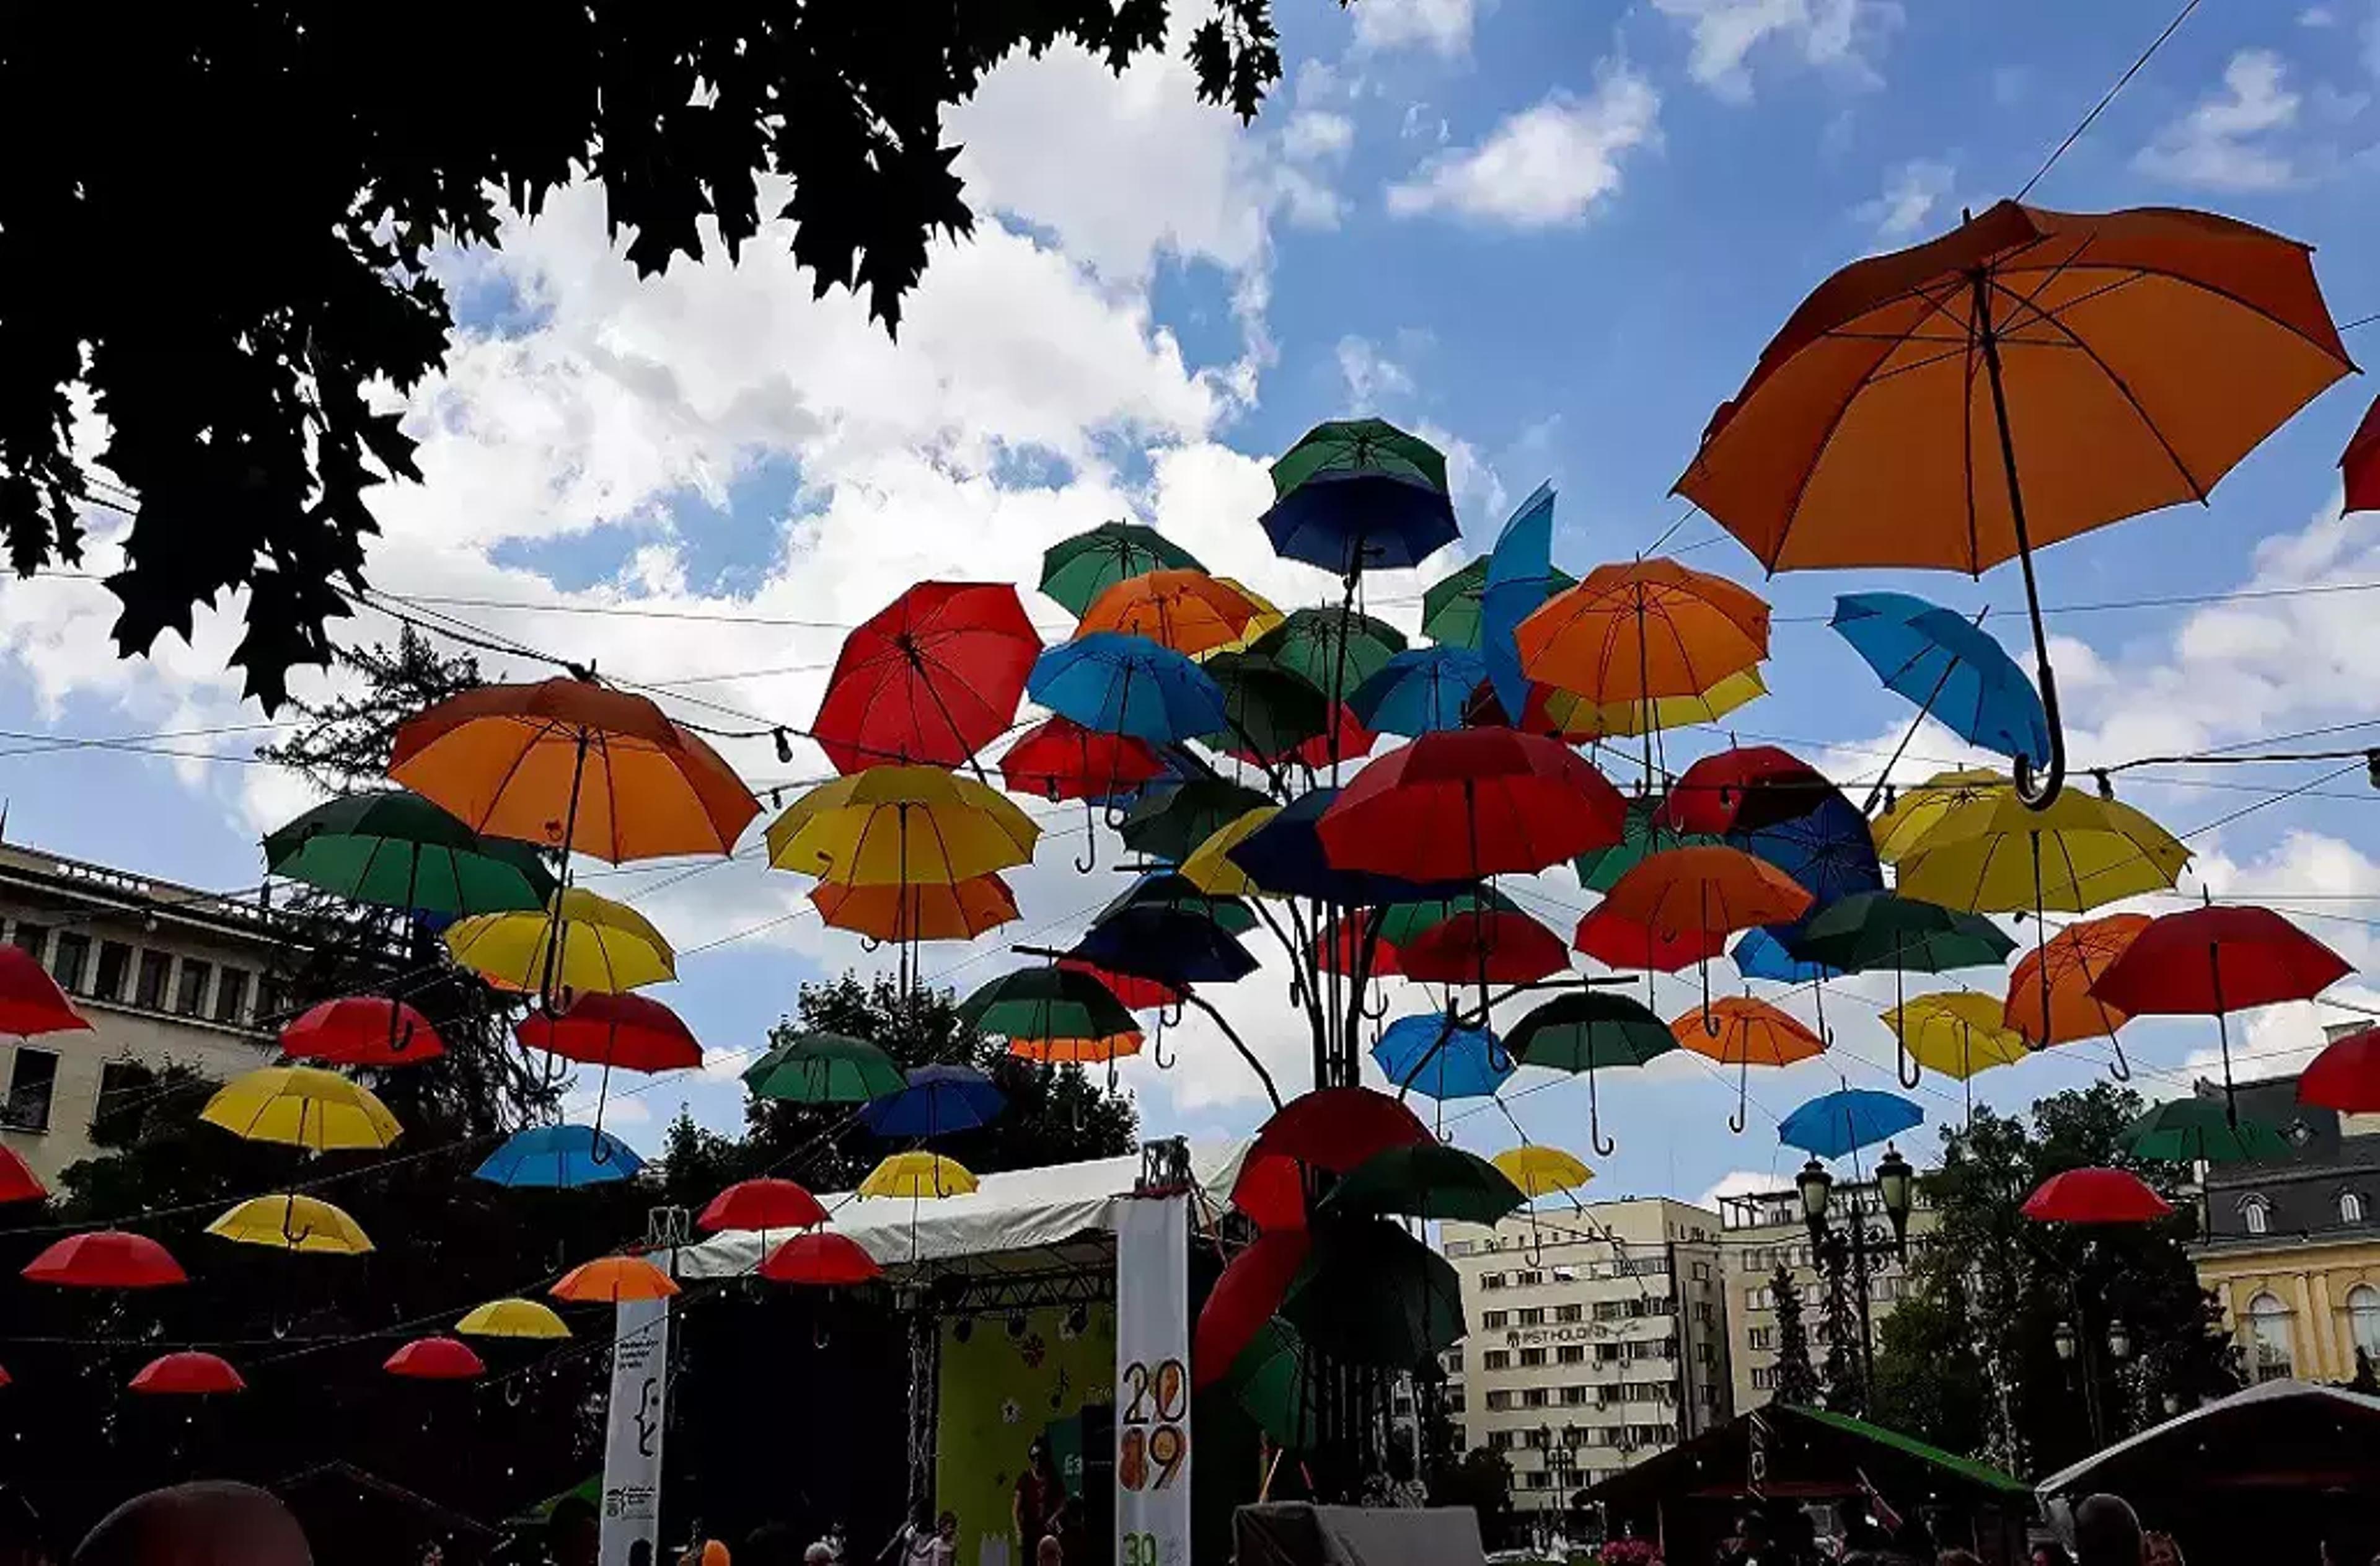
(1805, 1451)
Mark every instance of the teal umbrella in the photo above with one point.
(824, 1068)
(1274, 1383)
(1586, 1031)
(1370, 1293)
(2198, 1130)
(1075, 571)
(1877, 932)
(396, 849)
(1449, 609)
(1269, 709)
(1402, 922)
(1168, 825)
(1425, 1179)
(1173, 893)
(1307, 644)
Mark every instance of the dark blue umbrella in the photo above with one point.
(1470, 1063)
(1285, 856)
(1763, 954)
(1124, 685)
(1833, 1125)
(1828, 851)
(938, 1099)
(1169, 944)
(559, 1156)
(1359, 495)
(1950, 666)
(1420, 689)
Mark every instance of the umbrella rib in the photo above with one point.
(539, 729)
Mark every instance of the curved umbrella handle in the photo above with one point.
(1157, 1051)
(870, 944)
(1380, 1011)
(1905, 1066)
(1603, 1146)
(1090, 859)
(2119, 1068)
(513, 1393)
(1743, 1094)
(1171, 1016)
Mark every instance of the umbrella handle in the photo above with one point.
(1171, 1016)
(1156, 1049)
(512, 1394)
(1090, 859)
(2038, 793)
(1742, 1091)
(2120, 1068)
(1905, 1065)
(1604, 1146)
(870, 944)
(1380, 1011)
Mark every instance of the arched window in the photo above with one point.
(2363, 1319)
(2256, 1213)
(2350, 1206)
(2268, 1338)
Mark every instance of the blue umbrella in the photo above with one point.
(1833, 1125)
(1359, 495)
(1123, 684)
(1518, 573)
(1828, 851)
(1470, 1064)
(1419, 690)
(1285, 856)
(938, 1100)
(1173, 945)
(559, 1156)
(1950, 666)
(1763, 954)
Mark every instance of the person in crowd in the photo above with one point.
(1048, 1552)
(209, 1524)
(572, 1533)
(818, 1554)
(1041, 1491)
(921, 1543)
(2160, 1550)
(2107, 1532)
(2050, 1552)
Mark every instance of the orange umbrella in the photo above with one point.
(1076, 1051)
(572, 764)
(610, 1279)
(1634, 635)
(1709, 889)
(1187, 611)
(2029, 376)
(1741, 1032)
(2054, 982)
(960, 911)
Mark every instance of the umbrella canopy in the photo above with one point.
(435, 1359)
(1744, 789)
(1714, 888)
(1833, 1125)
(1619, 943)
(1629, 635)
(1276, 1384)
(572, 764)
(1373, 1295)
(1433, 1056)
(302, 1224)
(1115, 684)
(1998, 855)
(2359, 465)
(2096, 1196)
(1827, 852)
(31, 1001)
(823, 1068)
(1177, 946)
(1418, 690)
(559, 1158)
(1641, 836)
(2049, 992)
(759, 1205)
(580, 944)
(611, 1280)
(17, 1182)
(1287, 856)
(396, 849)
(626, 1031)
(1075, 570)
(1424, 1180)
(901, 826)
(1272, 716)
(1737, 1030)
(1209, 866)
(820, 1260)
(1329, 1128)
(1137, 994)
(1078, 1051)
(1520, 575)
(1404, 922)
(1359, 495)
(513, 1319)
(2345, 1076)
(1883, 932)
(302, 1107)
(1910, 815)
(1956, 1032)
(105, 1258)
(187, 1374)
(361, 1030)
(1492, 947)
(1047, 1006)
(1171, 824)
(1950, 666)
(1542, 1172)
(1583, 1032)
(1763, 954)
(935, 1101)
(1059, 759)
(1189, 611)
(2200, 1130)
(917, 1176)
(1450, 608)
(1246, 1293)
(1329, 649)
(1569, 716)
(960, 911)
(1464, 804)
(932, 678)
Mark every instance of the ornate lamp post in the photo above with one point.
(1855, 1238)
(2074, 1352)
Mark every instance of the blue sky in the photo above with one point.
(1551, 236)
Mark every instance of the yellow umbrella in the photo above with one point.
(1541, 1171)
(302, 1107)
(1957, 1033)
(1581, 719)
(293, 1223)
(917, 1176)
(607, 948)
(512, 1319)
(1996, 856)
(901, 826)
(1919, 810)
(1209, 866)
(1267, 616)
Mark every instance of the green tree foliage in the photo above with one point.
(1842, 1374)
(241, 405)
(1797, 1380)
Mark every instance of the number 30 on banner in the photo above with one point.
(1153, 1446)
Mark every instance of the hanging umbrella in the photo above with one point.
(2359, 465)
(1710, 890)
(1359, 495)
(1370, 1293)
(1950, 666)
(1424, 1180)
(1632, 634)
(932, 678)
(901, 827)
(1996, 857)
(2112, 363)
(573, 765)
(435, 1359)
(2096, 1196)
(1763, 954)
(1451, 609)
(823, 1068)
(1189, 611)
(2213, 961)
(1177, 946)
(1744, 1033)
(917, 1176)
(1078, 1051)
(1349, 738)
(1569, 716)
(559, 1158)
(1836, 1124)
(1267, 616)
(1641, 836)
(1743, 789)
(580, 944)
(936, 1101)
(1586, 1032)
(1499, 948)
(187, 1374)
(513, 1319)
(302, 1224)
(612, 1280)
(1827, 852)
(1048, 1005)
(1884, 933)
(960, 911)
(626, 1031)
(1171, 825)
(17, 1182)
(1429, 1055)
(1246, 1293)
(1075, 570)
(1332, 1129)
(1059, 759)
(2049, 999)
(820, 1260)
(1542, 1172)
(1287, 857)
(1520, 574)
(301, 1107)
(1277, 1386)
(1121, 684)
(1269, 712)
(361, 1030)
(1464, 804)
(396, 849)
(2345, 1076)
(1401, 923)
(1209, 866)
(105, 1258)
(1617, 943)
(1910, 815)
(31, 1001)
(1418, 690)
(1136, 995)
(2201, 1131)
(1957, 1033)
(1330, 652)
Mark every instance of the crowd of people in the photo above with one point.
(2104, 1530)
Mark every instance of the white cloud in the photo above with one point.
(1546, 167)
(1370, 377)
(1317, 133)
(1834, 34)
(2317, 16)
(1442, 26)
(1737, 1183)
(1910, 191)
(2226, 142)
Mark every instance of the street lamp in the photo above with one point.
(1857, 1242)
(1896, 1184)
(1816, 1184)
(2119, 1341)
(2066, 1340)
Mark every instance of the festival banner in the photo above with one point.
(632, 1443)
(1152, 1417)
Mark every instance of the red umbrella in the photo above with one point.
(1342, 943)
(1250, 1289)
(2212, 961)
(1135, 993)
(759, 1205)
(106, 1258)
(627, 1031)
(6, 1379)
(2359, 464)
(1354, 740)
(1270, 1191)
(17, 1182)
(2096, 1196)
(933, 679)
(187, 1374)
(362, 1030)
(823, 1258)
(1492, 946)
(1062, 760)
(31, 1001)
(1329, 1128)
(1617, 942)
(1462, 804)
(1742, 790)
(2346, 1076)
(436, 1359)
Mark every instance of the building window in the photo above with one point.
(1491, 1279)
(2350, 1206)
(1459, 1248)
(1764, 1378)
(30, 1083)
(1760, 1337)
(1536, 1479)
(115, 961)
(1498, 1400)
(1756, 1297)
(190, 995)
(2256, 1213)
(32, 936)
(1530, 1279)
(1454, 1360)
(1492, 1318)
(1539, 1439)
(1576, 1396)
(2363, 1320)
(1454, 1403)
(149, 989)
(124, 1087)
(2268, 1337)
(231, 996)
(1534, 1317)
(1496, 1359)
(1461, 1443)
(1499, 1440)
(1702, 1272)
(1533, 1397)
(1571, 1353)
(70, 959)
(1565, 1315)
(1530, 1357)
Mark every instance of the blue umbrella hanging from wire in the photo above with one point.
(1432, 1056)
(1835, 1124)
(938, 1099)
(1950, 666)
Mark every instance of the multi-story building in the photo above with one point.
(1765, 1230)
(1596, 1338)
(165, 974)
(2293, 1246)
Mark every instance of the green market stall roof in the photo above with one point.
(1810, 1453)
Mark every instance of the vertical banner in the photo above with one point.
(1152, 1403)
(632, 1442)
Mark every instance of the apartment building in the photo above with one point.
(1596, 1338)
(167, 974)
(1765, 1230)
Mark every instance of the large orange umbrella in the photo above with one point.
(1707, 889)
(1187, 611)
(573, 764)
(2049, 999)
(1635, 633)
(960, 911)
(2029, 376)
(1739, 1031)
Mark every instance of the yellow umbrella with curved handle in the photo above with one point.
(606, 948)
(1542, 1172)
(302, 1107)
(294, 1223)
(917, 1176)
(512, 1319)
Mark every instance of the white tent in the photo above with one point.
(2276, 1436)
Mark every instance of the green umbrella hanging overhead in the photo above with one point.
(1401, 922)
(1586, 1033)
(1075, 571)
(1274, 1383)
(395, 848)
(1037, 1005)
(2198, 1130)
(824, 1068)
(1373, 1295)
(1168, 825)
(1307, 644)
(1177, 893)
(1640, 838)
(1269, 709)
(1426, 1180)
(1450, 611)
(1883, 932)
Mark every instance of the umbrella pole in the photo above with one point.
(1742, 1092)
(2041, 934)
(1644, 687)
(2054, 779)
(1339, 670)
(1911, 1074)
(2223, 1033)
(559, 932)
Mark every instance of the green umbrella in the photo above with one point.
(1401, 922)
(1270, 709)
(1341, 446)
(2192, 1130)
(1372, 1294)
(1583, 1032)
(1075, 571)
(1168, 825)
(1045, 1004)
(1273, 1381)
(398, 850)
(1307, 644)
(1425, 1179)
(824, 1068)
(1450, 611)
(1177, 894)
(1877, 932)
(1640, 839)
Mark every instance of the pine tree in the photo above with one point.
(1796, 1380)
(1846, 1393)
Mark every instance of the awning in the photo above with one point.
(2276, 1436)
(1807, 1452)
